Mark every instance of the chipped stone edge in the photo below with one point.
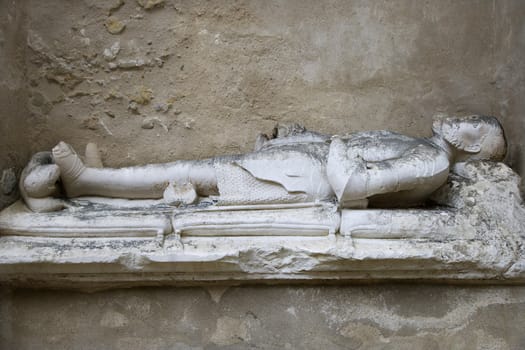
(83, 263)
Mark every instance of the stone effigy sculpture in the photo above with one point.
(350, 199)
(381, 169)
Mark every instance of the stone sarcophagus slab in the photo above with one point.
(104, 243)
(304, 207)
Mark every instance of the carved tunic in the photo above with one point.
(386, 168)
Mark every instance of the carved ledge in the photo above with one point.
(112, 262)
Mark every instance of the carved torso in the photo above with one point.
(295, 170)
(400, 170)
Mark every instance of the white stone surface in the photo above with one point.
(259, 220)
(85, 220)
(441, 223)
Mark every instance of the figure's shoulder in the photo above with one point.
(288, 134)
(378, 136)
(380, 145)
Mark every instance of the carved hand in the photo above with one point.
(347, 172)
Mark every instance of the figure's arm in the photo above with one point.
(352, 178)
(418, 166)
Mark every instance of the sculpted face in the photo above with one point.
(476, 137)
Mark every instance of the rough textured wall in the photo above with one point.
(186, 79)
(400, 317)
(14, 130)
(509, 76)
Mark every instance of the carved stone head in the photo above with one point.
(474, 137)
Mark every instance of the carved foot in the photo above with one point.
(71, 167)
(38, 184)
(40, 181)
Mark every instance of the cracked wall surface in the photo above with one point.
(280, 317)
(155, 80)
(14, 147)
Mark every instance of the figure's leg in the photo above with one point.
(147, 181)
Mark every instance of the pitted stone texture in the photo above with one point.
(232, 69)
(301, 317)
(14, 99)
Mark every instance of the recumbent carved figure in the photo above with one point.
(375, 169)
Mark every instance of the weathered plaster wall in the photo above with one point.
(190, 79)
(210, 76)
(400, 317)
(14, 130)
(509, 77)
